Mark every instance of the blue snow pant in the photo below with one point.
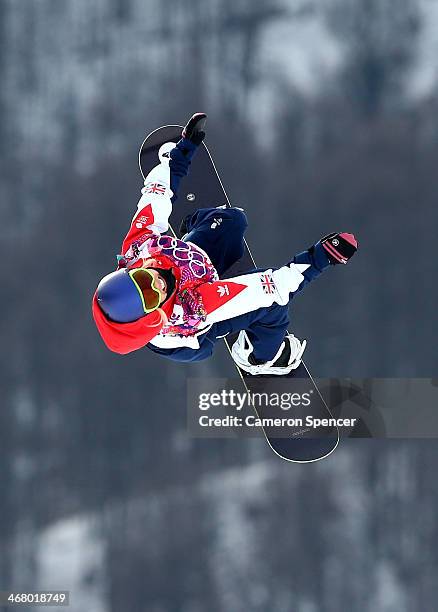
(219, 232)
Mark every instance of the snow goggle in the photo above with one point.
(144, 282)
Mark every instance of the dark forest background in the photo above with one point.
(102, 491)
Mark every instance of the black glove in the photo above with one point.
(194, 129)
(340, 247)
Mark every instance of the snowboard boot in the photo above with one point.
(288, 356)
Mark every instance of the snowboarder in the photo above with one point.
(166, 293)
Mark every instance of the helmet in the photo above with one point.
(125, 296)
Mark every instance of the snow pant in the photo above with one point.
(219, 232)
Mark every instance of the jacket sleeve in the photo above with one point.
(153, 208)
(317, 260)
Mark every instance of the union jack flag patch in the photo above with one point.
(157, 188)
(267, 283)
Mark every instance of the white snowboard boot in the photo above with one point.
(288, 356)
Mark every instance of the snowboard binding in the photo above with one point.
(288, 356)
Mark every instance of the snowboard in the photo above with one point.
(203, 188)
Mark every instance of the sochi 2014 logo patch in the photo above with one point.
(268, 283)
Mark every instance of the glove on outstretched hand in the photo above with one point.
(195, 128)
(340, 247)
